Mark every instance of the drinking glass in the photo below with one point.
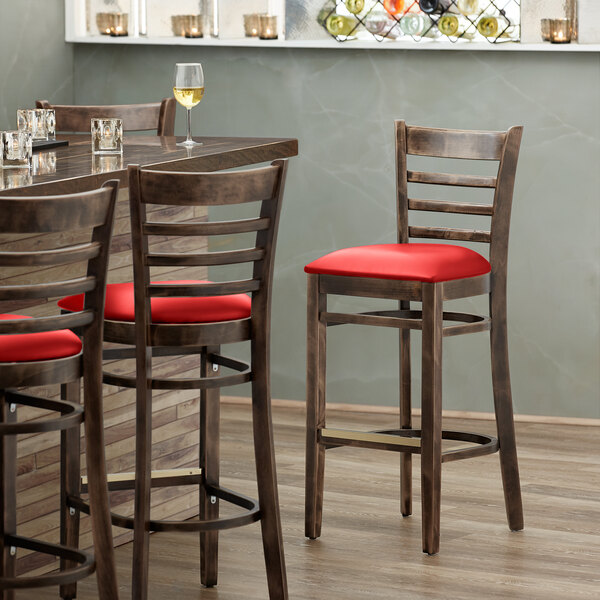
(188, 89)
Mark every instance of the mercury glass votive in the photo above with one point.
(545, 29)
(118, 24)
(267, 27)
(178, 25)
(251, 25)
(193, 26)
(560, 31)
(103, 22)
(15, 152)
(107, 136)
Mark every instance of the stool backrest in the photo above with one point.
(135, 117)
(263, 186)
(502, 147)
(61, 215)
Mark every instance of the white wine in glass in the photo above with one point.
(188, 89)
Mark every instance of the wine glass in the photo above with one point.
(188, 89)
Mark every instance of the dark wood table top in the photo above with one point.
(73, 168)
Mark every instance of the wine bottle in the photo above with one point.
(468, 7)
(490, 26)
(340, 25)
(394, 7)
(415, 24)
(455, 26)
(355, 6)
(434, 6)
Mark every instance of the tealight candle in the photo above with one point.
(267, 27)
(560, 31)
(251, 25)
(118, 26)
(193, 26)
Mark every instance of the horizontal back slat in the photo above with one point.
(206, 189)
(61, 256)
(462, 208)
(48, 290)
(448, 233)
(213, 228)
(66, 321)
(53, 214)
(204, 289)
(206, 259)
(444, 143)
(451, 179)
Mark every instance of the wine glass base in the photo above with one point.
(189, 144)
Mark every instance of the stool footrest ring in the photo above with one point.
(408, 440)
(250, 505)
(86, 566)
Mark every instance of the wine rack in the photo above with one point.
(494, 21)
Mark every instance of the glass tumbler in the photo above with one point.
(107, 136)
(16, 149)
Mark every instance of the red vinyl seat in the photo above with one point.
(408, 262)
(120, 306)
(28, 347)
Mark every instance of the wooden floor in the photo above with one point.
(368, 551)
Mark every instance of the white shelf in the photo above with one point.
(332, 44)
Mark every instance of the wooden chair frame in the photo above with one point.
(135, 117)
(145, 340)
(92, 210)
(427, 441)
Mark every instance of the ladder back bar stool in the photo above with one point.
(429, 273)
(135, 117)
(153, 318)
(42, 351)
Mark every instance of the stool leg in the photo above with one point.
(143, 458)
(8, 500)
(106, 575)
(209, 463)
(315, 407)
(504, 409)
(266, 475)
(70, 451)
(431, 420)
(405, 417)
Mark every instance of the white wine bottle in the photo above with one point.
(415, 24)
(455, 26)
(355, 6)
(491, 26)
(468, 7)
(340, 25)
(434, 6)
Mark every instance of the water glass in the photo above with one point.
(34, 121)
(107, 136)
(16, 149)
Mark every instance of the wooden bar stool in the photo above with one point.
(43, 351)
(191, 316)
(429, 273)
(135, 117)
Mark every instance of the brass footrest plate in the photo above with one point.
(158, 478)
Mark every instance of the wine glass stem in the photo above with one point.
(189, 125)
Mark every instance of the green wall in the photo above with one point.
(341, 104)
(35, 61)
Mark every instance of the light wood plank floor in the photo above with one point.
(368, 551)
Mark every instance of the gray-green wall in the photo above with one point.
(341, 104)
(35, 61)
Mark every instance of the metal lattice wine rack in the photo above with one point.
(494, 21)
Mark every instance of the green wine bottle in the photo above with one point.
(455, 26)
(355, 6)
(434, 6)
(490, 26)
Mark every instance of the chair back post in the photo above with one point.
(267, 239)
(401, 183)
(503, 197)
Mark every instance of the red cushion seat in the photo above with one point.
(120, 306)
(406, 262)
(27, 347)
